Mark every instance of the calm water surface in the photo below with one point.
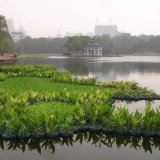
(145, 70)
(83, 146)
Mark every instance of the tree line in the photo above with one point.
(123, 44)
(6, 43)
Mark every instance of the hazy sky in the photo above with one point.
(46, 17)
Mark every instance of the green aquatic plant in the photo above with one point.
(79, 114)
(84, 81)
(126, 115)
(156, 120)
(108, 122)
(136, 120)
(28, 71)
(50, 123)
(62, 76)
(38, 110)
(92, 113)
(67, 124)
(34, 124)
(148, 120)
(119, 120)
(96, 112)
(3, 76)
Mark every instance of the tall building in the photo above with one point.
(16, 35)
(10, 24)
(110, 30)
(21, 29)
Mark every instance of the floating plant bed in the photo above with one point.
(42, 102)
(90, 129)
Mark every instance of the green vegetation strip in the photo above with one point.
(39, 101)
(42, 85)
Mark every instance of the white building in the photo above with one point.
(110, 30)
(17, 36)
(93, 48)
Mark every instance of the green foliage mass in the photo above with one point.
(3, 76)
(6, 43)
(123, 44)
(42, 45)
(76, 43)
(39, 100)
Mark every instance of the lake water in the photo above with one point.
(145, 70)
(82, 146)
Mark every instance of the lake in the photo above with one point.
(145, 70)
(82, 146)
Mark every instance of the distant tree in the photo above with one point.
(107, 44)
(76, 43)
(153, 44)
(3, 24)
(19, 48)
(43, 45)
(6, 43)
(122, 44)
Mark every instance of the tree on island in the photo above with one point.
(6, 43)
(76, 44)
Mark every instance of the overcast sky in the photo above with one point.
(45, 17)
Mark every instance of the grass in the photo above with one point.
(42, 85)
(3, 76)
(32, 56)
(49, 108)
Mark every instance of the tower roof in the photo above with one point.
(93, 42)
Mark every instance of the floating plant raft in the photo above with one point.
(40, 101)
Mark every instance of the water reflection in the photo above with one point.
(84, 66)
(8, 62)
(98, 140)
(137, 105)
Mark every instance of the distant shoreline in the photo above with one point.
(35, 55)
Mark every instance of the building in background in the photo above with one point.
(21, 29)
(17, 36)
(10, 24)
(110, 30)
(93, 48)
